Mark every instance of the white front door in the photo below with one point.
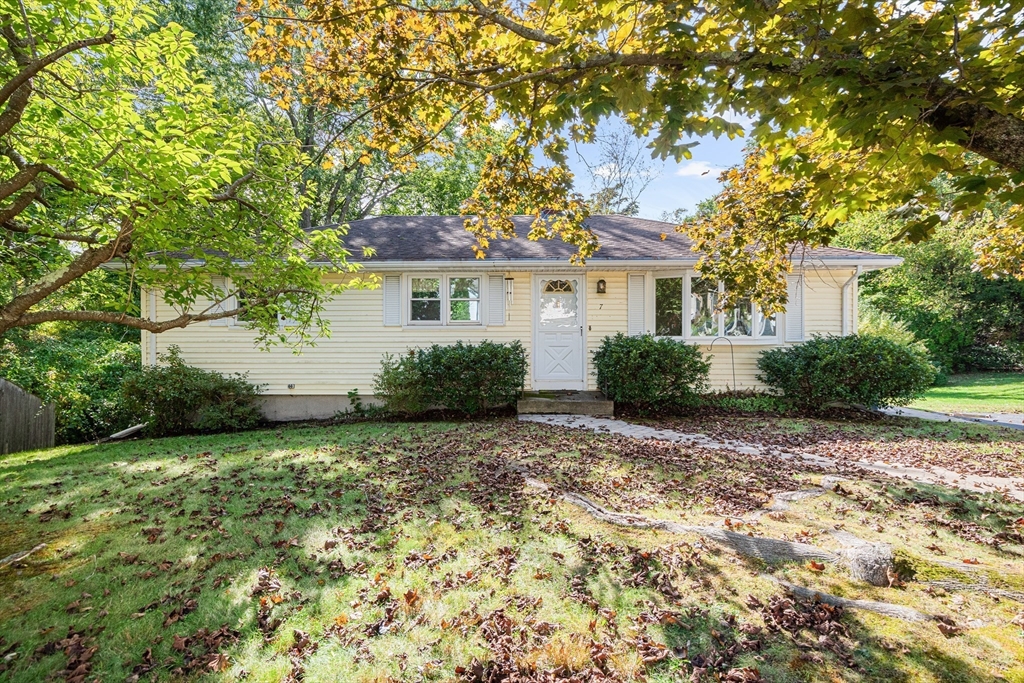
(558, 339)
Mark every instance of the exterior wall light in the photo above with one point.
(602, 287)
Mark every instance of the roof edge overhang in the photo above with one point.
(874, 262)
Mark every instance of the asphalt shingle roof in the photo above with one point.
(622, 238)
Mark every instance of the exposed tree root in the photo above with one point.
(861, 557)
(950, 585)
(871, 562)
(20, 555)
(886, 608)
(781, 501)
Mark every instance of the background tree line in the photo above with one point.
(182, 73)
(135, 133)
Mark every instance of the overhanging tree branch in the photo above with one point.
(63, 236)
(35, 66)
(526, 32)
(183, 320)
(89, 260)
(28, 174)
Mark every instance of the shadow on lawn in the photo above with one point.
(383, 548)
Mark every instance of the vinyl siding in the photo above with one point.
(822, 316)
(350, 357)
(606, 314)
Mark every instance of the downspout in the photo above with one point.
(152, 336)
(848, 307)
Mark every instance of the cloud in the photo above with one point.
(698, 169)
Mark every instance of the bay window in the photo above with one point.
(668, 318)
(688, 307)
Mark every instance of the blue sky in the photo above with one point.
(675, 186)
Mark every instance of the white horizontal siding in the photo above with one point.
(350, 357)
(823, 301)
(606, 314)
(346, 360)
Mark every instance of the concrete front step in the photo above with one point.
(565, 405)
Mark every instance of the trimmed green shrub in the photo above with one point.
(749, 403)
(400, 385)
(175, 398)
(466, 378)
(649, 374)
(472, 379)
(854, 370)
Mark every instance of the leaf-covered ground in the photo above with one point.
(969, 448)
(413, 552)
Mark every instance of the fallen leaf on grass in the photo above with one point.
(220, 662)
(413, 598)
(947, 627)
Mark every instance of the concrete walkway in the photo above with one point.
(1011, 486)
(1008, 420)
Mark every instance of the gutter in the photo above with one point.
(848, 308)
(489, 264)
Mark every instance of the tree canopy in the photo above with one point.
(114, 150)
(967, 321)
(856, 104)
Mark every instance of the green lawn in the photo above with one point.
(982, 392)
(379, 553)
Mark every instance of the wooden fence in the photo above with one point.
(25, 423)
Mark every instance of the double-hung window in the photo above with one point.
(463, 300)
(689, 307)
(444, 300)
(426, 300)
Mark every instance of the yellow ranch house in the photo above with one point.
(434, 290)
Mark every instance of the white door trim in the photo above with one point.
(581, 276)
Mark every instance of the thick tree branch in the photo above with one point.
(89, 260)
(992, 134)
(20, 203)
(11, 115)
(26, 175)
(63, 236)
(35, 66)
(182, 320)
(526, 32)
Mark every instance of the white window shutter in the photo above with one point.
(392, 300)
(795, 308)
(495, 299)
(635, 306)
(220, 284)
